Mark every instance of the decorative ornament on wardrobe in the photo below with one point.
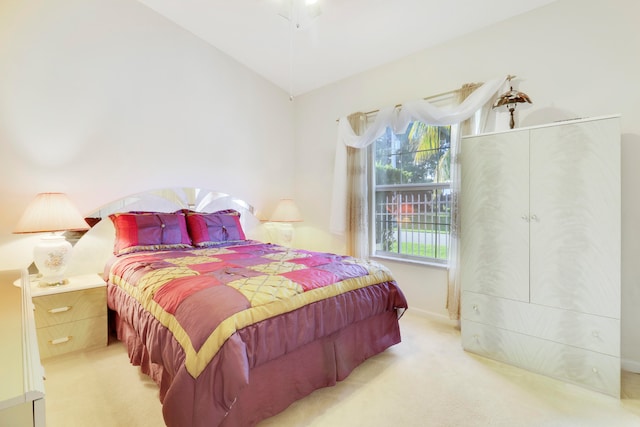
(511, 99)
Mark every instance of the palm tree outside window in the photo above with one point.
(412, 195)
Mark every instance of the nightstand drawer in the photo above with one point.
(56, 309)
(68, 337)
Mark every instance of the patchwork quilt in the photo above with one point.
(200, 298)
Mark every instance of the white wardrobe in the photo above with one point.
(540, 251)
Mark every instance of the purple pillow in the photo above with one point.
(145, 231)
(208, 229)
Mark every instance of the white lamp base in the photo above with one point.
(281, 233)
(51, 255)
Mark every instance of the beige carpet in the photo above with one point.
(427, 380)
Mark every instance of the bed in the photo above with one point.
(234, 329)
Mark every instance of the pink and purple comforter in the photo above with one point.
(200, 320)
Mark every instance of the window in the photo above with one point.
(411, 196)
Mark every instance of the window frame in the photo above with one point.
(436, 186)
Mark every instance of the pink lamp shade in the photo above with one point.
(51, 212)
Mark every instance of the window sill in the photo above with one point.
(425, 263)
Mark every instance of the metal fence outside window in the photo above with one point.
(413, 220)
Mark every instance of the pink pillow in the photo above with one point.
(146, 231)
(208, 229)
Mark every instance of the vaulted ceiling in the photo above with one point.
(301, 48)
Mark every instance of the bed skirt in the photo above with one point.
(276, 384)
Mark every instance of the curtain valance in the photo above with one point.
(398, 119)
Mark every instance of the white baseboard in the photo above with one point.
(630, 365)
(626, 364)
(441, 318)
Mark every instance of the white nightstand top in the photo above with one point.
(76, 283)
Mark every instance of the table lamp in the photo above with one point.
(285, 213)
(51, 213)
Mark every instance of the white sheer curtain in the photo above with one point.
(347, 137)
(398, 120)
(474, 125)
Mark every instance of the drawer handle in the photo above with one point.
(60, 340)
(475, 307)
(595, 370)
(595, 334)
(60, 309)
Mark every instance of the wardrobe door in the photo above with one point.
(494, 210)
(575, 217)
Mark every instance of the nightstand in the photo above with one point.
(71, 317)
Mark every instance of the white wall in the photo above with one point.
(105, 98)
(574, 58)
